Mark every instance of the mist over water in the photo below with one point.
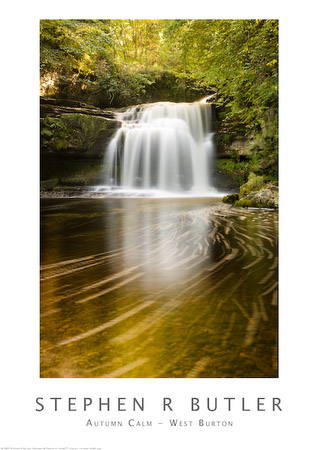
(163, 149)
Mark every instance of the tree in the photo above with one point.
(123, 58)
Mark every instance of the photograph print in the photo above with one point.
(159, 198)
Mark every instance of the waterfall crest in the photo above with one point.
(162, 146)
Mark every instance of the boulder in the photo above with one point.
(265, 197)
(231, 199)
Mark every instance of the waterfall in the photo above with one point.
(166, 147)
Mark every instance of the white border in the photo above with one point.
(21, 426)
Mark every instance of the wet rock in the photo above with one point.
(232, 198)
(266, 197)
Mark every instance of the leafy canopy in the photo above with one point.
(125, 57)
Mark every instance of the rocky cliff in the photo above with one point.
(73, 140)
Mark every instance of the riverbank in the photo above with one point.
(256, 193)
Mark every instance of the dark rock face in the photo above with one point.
(232, 149)
(74, 137)
(75, 128)
(55, 108)
(232, 137)
(77, 134)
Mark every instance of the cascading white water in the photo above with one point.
(163, 146)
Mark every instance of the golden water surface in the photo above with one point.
(157, 288)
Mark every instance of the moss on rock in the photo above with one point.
(253, 184)
(255, 193)
(236, 169)
(266, 197)
(232, 198)
(81, 133)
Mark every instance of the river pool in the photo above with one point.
(140, 287)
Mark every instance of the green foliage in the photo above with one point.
(126, 83)
(239, 170)
(253, 184)
(136, 42)
(263, 149)
(54, 133)
(74, 45)
(240, 57)
(123, 61)
(77, 131)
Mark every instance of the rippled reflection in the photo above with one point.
(157, 288)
